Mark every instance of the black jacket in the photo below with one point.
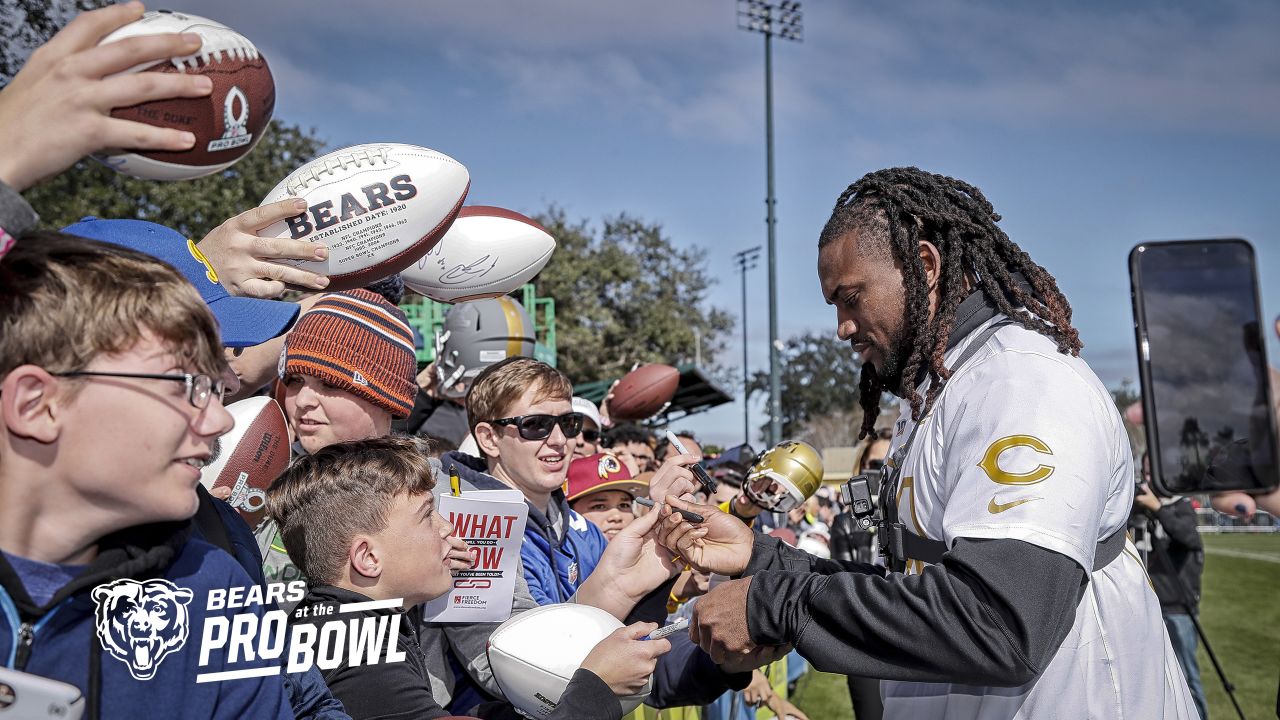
(402, 690)
(1177, 550)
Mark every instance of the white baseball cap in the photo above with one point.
(588, 408)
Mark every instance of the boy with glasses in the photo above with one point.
(522, 419)
(110, 403)
(588, 443)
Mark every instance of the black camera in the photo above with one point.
(856, 495)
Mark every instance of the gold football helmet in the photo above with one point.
(784, 476)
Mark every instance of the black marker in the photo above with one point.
(699, 472)
(692, 517)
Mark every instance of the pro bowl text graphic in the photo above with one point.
(141, 623)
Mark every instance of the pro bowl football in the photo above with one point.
(250, 457)
(227, 123)
(379, 208)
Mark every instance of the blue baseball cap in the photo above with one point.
(243, 321)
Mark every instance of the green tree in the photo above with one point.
(26, 24)
(193, 207)
(625, 294)
(819, 379)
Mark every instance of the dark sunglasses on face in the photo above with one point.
(590, 436)
(538, 427)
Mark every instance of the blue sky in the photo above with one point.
(1090, 126)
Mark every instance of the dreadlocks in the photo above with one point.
(898, 207)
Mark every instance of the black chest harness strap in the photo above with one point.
(900, 544)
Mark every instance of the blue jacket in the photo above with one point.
(554, 565)
(149, 661)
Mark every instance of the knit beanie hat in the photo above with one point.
(359, 342)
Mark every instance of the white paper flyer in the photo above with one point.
(492, 523)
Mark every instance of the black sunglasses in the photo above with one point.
(590, 435)
(538, 427)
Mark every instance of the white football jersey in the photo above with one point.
(1026, 443)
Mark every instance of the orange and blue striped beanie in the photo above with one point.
(358, 342)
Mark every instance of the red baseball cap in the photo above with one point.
(602, 471)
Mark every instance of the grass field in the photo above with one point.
(1240, 612)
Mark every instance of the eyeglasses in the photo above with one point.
(590, 435)
(538, 427)
(200, 388)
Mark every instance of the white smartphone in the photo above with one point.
(23, 695)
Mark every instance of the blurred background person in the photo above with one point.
(1175, 562)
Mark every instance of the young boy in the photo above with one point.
(602, 490)
(348, 369)
(364, 522)
(110, 401)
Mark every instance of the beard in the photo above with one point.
(893, 357)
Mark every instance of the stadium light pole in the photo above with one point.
(746, 260)
(785, 20)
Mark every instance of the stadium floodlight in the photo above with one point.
(746, 260)
(784, 20)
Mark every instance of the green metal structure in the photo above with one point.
(427, 316)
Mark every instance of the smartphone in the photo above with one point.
(23, 695)
(1202, 363)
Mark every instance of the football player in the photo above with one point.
(1014, 591)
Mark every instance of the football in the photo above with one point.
(379, 208)
(642, 392)
(536, 653)
(250, 457)
(488, 252)
(227, 123)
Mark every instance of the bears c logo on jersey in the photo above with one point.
(991, 461)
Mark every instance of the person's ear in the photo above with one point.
(32, 404)
(364, 558)
(487, 439)
(931, 259)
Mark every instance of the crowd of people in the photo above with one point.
(1000, 583)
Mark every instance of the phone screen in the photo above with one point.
(1210, 424)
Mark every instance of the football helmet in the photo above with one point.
(477, 334)
(784, 476)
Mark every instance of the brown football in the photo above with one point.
(250, 457)
(227, 123)
(642, 392)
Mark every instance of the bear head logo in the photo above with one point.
(140, 623)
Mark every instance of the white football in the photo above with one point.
(488, 252)
(536, 653)
(379, 207)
